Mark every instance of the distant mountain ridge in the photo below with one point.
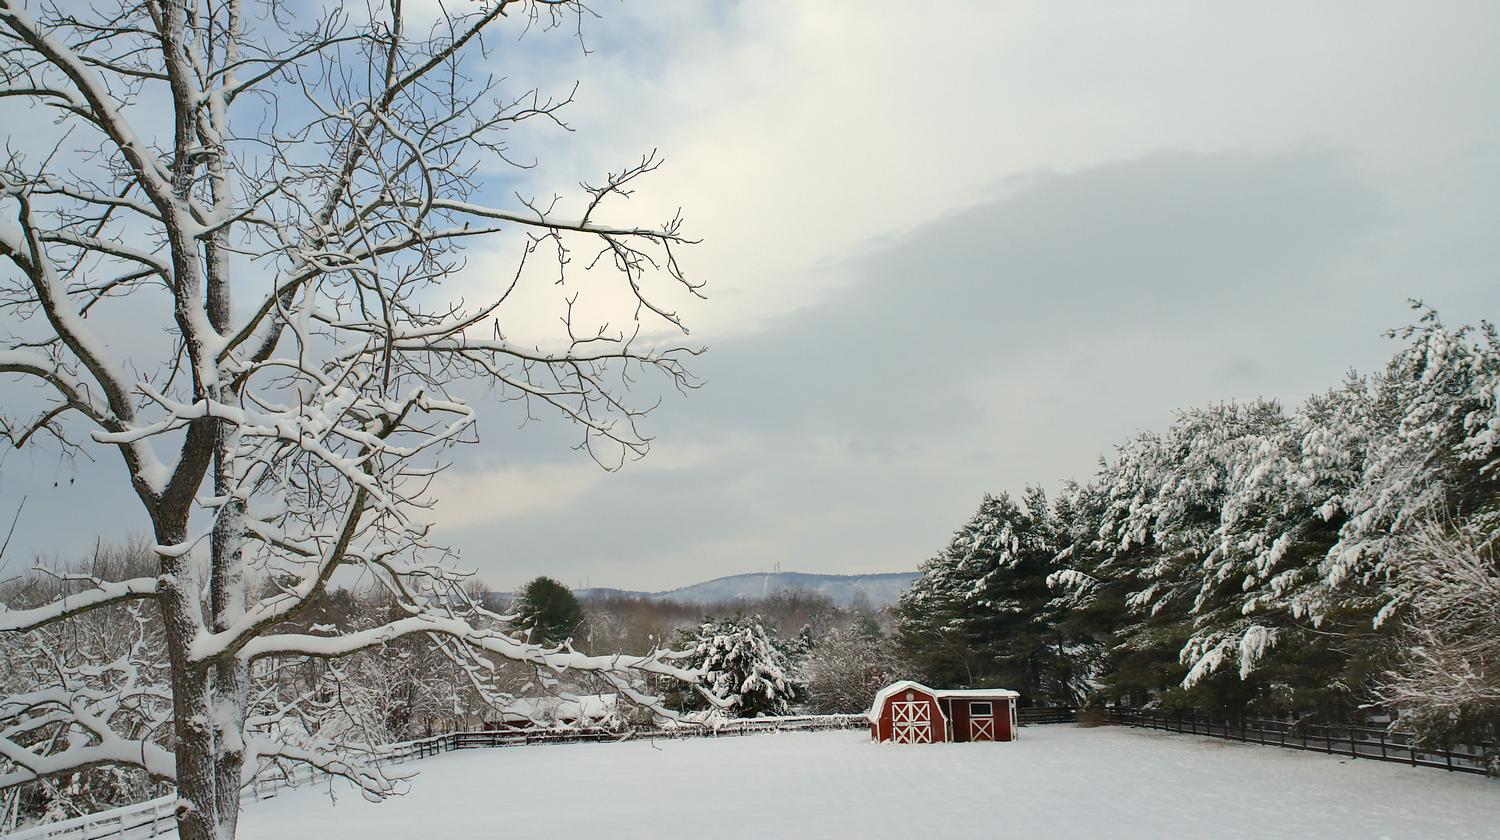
(879, 590)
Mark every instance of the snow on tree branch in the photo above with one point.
(230, 259)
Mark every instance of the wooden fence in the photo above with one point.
(156, 817)
(130, 822)
(1046, 714)
(1333, 739)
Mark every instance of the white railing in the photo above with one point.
(155, 817)
(129, 822)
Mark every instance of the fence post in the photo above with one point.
(1353, 747)
(1382, 744)
(1327, 739)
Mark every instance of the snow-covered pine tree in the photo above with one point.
(743, 666)
(1121, 579)
(1263, 549)
(1204, 532)
(1434, 454)
(981, 611)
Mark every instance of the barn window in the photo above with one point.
(981, 709)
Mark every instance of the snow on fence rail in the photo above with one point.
(1333, 739)
(141, 820)
(155, 817)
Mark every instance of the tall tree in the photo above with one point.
(981, 611)
(547, 611)
(1252, 558)
(284, 192)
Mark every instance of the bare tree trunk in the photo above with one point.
(320, 410)
(229, 679)
(191, 700)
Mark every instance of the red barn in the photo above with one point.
(908, 712)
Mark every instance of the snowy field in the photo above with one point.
(1057, 781)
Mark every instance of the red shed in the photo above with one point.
(908, 712)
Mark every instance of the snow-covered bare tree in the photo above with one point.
(229, 234)
(1446, 681)
(115, 656)
(844, 669)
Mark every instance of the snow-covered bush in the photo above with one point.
(841, 672)
(1445, 682)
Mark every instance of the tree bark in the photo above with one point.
(191, 693)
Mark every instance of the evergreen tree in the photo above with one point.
(743, 664)
(1252, 559)
(547, 611)
(981, 613)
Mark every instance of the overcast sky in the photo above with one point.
(961, 251)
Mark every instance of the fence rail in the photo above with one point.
(130, 822)
(1333, 739)
(155, 817)
(1047, 714)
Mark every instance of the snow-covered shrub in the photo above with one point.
(1445, 683)
(842, 671)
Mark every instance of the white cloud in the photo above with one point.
(799, 133)
(496, 494)
(800, 137)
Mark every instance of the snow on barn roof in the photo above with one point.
(897, 687)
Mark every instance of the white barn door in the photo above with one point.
(911, 722)
(982, 729)
(981, 721)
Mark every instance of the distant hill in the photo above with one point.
(880, 590)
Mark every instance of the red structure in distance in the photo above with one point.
(908, 712)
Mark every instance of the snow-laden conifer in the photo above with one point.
(743, 667)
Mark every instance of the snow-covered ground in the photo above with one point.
(1057, 781)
